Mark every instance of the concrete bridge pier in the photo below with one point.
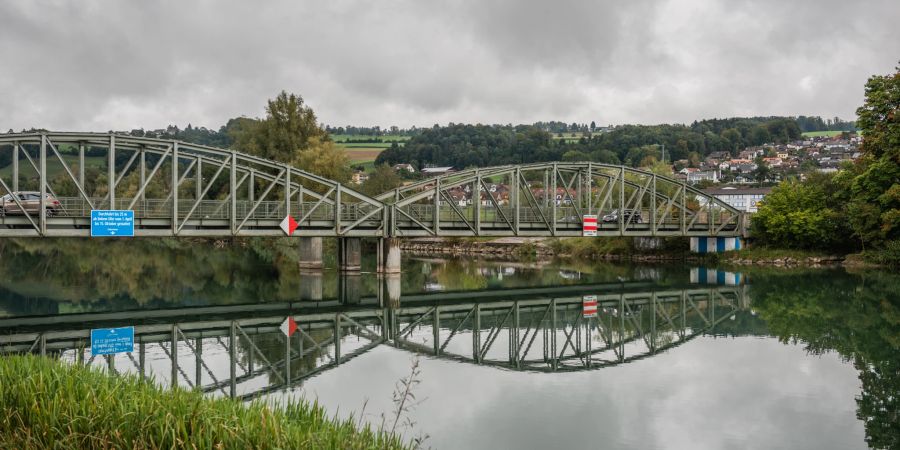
(388, 256)
(349, 254)
(310, 253)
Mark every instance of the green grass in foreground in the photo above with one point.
(822, 133)
(49, 404)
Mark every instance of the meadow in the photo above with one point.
(822, 133)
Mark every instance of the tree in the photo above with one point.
(762, 172)
(325, 159)
(803, 215)
(382, 180)
(289, 127)
(874, 181)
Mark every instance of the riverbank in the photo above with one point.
(620, 249)
(50, 404)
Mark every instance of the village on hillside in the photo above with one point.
(741, 179)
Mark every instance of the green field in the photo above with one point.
(822, 133)
(54, 168)
(339, 138)
(364, 153)
(569, 137)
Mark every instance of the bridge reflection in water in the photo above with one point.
(239, 351)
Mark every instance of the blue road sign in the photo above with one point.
(112, 223)
(106, 341)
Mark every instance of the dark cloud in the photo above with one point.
(116, 65)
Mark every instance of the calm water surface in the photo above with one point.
(502, 354)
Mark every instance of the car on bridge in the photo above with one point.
(629, 216)
(31, 202)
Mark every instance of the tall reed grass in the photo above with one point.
(47, 404)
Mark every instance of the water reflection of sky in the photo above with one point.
(715, 393)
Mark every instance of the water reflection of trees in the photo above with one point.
(856, 315)
(146, 271)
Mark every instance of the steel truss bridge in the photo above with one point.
(182, 189)
(238, 351)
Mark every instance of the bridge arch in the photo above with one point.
(549, 199)
(217, 192)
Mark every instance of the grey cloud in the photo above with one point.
(115, 65)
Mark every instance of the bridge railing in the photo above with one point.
(564, 215)
(216, 209)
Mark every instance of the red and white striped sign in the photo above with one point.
(288, 327)
(289, 225)
(589, 226)
(589, 305)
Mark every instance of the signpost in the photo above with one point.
(589, 306)
(589, 226)
(108, 341)
(112, 223)
(289, 225)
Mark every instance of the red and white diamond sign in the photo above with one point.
(288, 225)
(589, 305)
(288, 327)
(589, 226)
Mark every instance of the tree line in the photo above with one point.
(465, 145)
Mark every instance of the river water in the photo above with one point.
(496, 354)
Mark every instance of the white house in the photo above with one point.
(744, 199)
(696, 177)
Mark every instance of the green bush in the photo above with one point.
(888, 256)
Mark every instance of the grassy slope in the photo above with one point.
(822, 133)
(49, 404)
(54, 168)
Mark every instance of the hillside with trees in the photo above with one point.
(464, 146)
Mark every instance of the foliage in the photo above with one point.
(802, 215)
(874, 181)
(383, 179)
(889, 255)
(325, 159)
(465, 146)
(289, 128)
(52, 405)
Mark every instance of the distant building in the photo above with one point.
(696, 177)
(407, 167)
(436, 171)
(744, 199)
(359, 177)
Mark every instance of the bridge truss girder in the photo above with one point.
(568, 191)
(216, 192)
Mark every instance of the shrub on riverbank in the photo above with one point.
(48, 404)
(889, 255)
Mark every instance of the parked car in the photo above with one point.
(31, 201)
(629, 216)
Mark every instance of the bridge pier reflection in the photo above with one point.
(311, 285)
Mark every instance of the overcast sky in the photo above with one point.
(101, 65)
